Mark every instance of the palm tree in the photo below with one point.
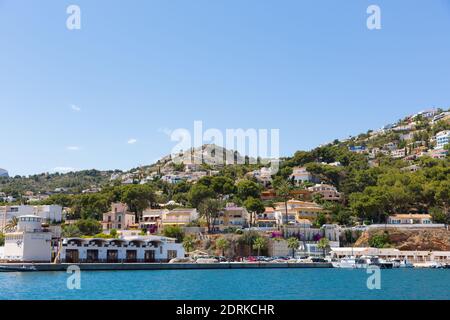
(324, 244)
(222, 244)
(189, 243)
(293, 244)
(260, 244)
(11, 225)
(284, 192)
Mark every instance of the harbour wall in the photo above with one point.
(166, 266)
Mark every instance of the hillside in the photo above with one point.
(422, 240)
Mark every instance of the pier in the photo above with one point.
(48, 267)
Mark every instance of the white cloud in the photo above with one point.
(73, 148)
(132, 141)
(75, 108)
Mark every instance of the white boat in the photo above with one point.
(362, 263)
(350, 263)
(402, 264)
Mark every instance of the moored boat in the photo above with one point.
(24, 268)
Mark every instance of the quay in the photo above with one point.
(62, 267)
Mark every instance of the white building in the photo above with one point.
(442, 139)
(49, 213)
(137, 249)
(29, 242)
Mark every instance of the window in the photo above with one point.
(171, 254)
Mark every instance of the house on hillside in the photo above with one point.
(119, 218)
(408, 219)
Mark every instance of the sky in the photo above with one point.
(107, 96)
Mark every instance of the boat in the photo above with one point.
(4, 268)
(402, 264)
(362, 263)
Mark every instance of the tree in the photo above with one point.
(209, 210)
(223, 186)
(223, 245)
(189, 243)
(324, 244)
(293, 244)
(379, 240)
(254, 207)
(173, 232)
(113, 233)
(71, 231)
(89, 227)
(138, 198)
(284, 192)
(260, 244)
(2, 239)
(439, 216)
(11, 225)
(320, 220)
(247, 189)
(199, 193)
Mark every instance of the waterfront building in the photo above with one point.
(138, 249)
(30, 242)
(392, 254)
(410, 219)
(119, 218)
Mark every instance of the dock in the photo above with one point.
(48, 267)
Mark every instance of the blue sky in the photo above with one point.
(135, 70)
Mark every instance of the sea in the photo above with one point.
(245, 284)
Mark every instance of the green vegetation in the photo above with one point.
(222, 244)
(260, 244)
(2, 239)
(174, 232)
(379, 240)
(189, 243)
(293, 244)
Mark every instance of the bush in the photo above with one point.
(174, 232)
(379, 241)
(89, 227)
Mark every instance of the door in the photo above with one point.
(131, 256)
(92, 256)
(112, 256)
(149, 256)
(72, 256)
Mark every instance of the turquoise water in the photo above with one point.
(276, 284)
